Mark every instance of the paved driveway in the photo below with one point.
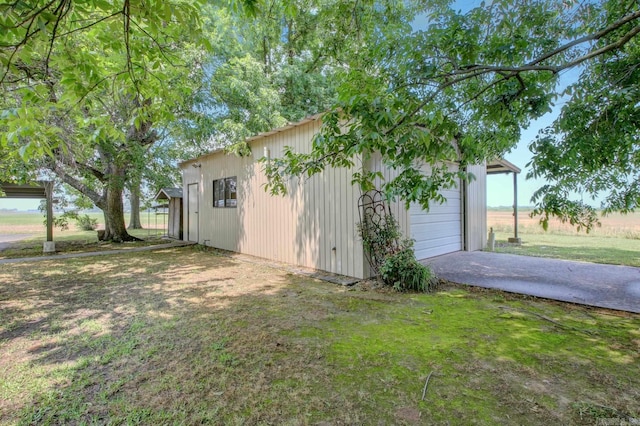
(607, 286)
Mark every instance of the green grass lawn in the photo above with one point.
(79, 241)
(587, 248)
(190, 336)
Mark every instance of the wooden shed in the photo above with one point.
(173, 196)
(315, 225)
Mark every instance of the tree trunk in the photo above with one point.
(134, 198)
(114, 226)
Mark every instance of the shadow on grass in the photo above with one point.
(139, 338)
(189, 336)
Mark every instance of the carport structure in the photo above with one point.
(39, 190)
(500, 166)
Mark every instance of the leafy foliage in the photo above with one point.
(86, 105)
(402, 271)
(592, 148)
(381, 237)
(391, 256)
(462, 88)
(87, 223)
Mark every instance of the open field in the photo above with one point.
(33, 223)
(72, 240)
(616, 242)
(191, 336)
(614, 225)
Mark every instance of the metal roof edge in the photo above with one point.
(500, 165)
(258, 136)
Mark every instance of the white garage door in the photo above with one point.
(439, 230)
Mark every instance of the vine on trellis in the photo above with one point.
(378, 228)
(390, 256)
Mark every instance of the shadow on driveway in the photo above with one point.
(605, 286)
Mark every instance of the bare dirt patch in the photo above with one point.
(191, 336)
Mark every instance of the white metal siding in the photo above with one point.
(476, 209)
(314, 225)
(439, 230)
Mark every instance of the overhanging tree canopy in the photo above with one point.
(86, 85)
(474, 77)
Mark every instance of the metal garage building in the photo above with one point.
(315, 225)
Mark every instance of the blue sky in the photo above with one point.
(6, 203)
(499, 187)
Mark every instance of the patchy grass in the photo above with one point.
(616, 242)
(189, 336)
(77, 242)
(72, 240)
(614, 251)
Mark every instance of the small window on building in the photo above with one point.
(225, 192)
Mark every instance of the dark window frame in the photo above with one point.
(225, 192)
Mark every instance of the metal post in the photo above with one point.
(48, 188)
(49, 246)
(515, 238)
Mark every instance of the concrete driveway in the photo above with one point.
(606, 286)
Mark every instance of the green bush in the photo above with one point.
(402, 271)
(87, 223)
(392, 258)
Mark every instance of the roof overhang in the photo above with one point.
(258, 136)
(13, 190)
(500, 165)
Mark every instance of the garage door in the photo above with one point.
(438, 231)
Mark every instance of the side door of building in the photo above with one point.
(192, 212)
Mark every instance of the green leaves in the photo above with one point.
(461, 88)
(591, 150)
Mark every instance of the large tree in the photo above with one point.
(459, 85)
(86, 85)
(277, 64)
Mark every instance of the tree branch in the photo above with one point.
(508, 72)
(91, 170)
(609, 47)
(160, 48)
(590, 37)
(475, 70)
(94, 196)
(31, 17)
(104, 18)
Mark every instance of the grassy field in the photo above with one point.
(33, 223)
(191, 336)
(72, 240)
(617, 241)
